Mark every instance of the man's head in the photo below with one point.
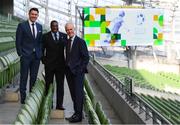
(69, 27)
(54, 26)
(33, 14)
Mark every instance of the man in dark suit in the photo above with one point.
(53, 59)
(77, 58)
(28, 46)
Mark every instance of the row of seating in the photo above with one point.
(93, 109)
(88, 106)
(46, 106)
(7, 36)
(37, 106)
(8, 21)
(9, 60)
(9, 68)
(8, 27)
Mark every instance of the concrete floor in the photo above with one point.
(68, 105)
(8, 112)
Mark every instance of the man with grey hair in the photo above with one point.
(77, 58)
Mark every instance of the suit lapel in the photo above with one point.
(38, 30)
(51, 37)
(28, 29)
(61, 37)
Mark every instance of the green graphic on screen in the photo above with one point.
(122, 27)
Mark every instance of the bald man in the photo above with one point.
(77, 58)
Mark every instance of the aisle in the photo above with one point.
(68, 108)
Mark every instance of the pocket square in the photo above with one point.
(40, 31)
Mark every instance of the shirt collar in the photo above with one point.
(72, 39)
(55, 32)
(30, 22)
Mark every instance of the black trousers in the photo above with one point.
(75, 83)
(59, 74)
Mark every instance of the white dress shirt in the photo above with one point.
(35, 28)
(57, 35)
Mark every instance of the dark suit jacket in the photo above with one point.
(79, 56)
(53, 53)
(25, 42)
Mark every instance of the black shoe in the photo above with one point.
(52, 106)
(60, 108)
(75, 118)
(22, 102)
(68, 118)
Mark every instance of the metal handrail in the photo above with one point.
(133, 99)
